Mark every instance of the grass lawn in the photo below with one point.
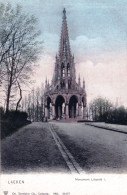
(31, 149)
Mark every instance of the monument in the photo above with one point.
(65, 98)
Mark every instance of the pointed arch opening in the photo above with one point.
(62, 70)
(72, 106)
(69, 84)
(68, 70)
(60, 107)
(62, 83)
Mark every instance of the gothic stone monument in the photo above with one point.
(64, 97)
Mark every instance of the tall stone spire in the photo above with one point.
(65, 95)
(64, 50)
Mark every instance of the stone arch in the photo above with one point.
(76, 96)
(59, 109)
(73, 106)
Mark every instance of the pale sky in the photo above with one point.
(98, 39)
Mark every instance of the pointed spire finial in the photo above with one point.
(46, 81)
(83, 83)
(64, 50)
(79, 80)
(64, 12)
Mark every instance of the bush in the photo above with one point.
(16, 115)
(1, 112)
(12, 121)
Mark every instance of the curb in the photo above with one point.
(67, 156)
(107, 128)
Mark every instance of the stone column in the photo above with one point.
(67, 111)
(46, 113)
(79, 111)
(84, 112)
(59, 112)
(63, 110)
(53, 111)
(76, 110)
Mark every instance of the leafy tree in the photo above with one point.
(19, 49)
(118, 115)
(103, 110)
(100, 108)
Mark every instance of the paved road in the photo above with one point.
(95, 149)
(33, 149)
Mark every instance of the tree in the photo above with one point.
(19, 48)
(33, 104)
(100, 108)
(118, 115)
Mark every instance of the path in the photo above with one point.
(95, 149)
